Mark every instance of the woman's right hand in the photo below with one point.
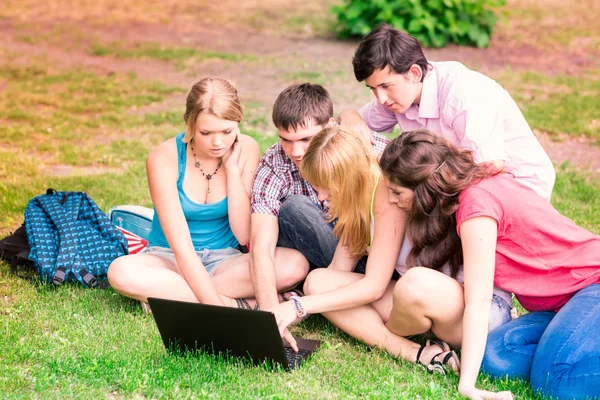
(476, 394)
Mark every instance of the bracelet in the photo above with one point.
(298, 306)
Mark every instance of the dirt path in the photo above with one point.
(281, 60)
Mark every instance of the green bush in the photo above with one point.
(434, 23)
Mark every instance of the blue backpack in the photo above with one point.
(71, 238)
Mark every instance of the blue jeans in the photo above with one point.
(302, 226)
(559, 353)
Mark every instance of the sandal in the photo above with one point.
(290, 293)
(145, 307)
(244, 305)
(435, 365)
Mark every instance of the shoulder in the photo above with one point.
(486, 197)
(275, 157)
(485, 187)
(166, 152)
(385, 212)
(461, 87)
(273, 164)
(250, 146)
(250, 142)
(456, 76)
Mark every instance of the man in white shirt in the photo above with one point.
(464, 106)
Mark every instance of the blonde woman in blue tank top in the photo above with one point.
(200, 184)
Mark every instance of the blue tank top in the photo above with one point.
(208, 223)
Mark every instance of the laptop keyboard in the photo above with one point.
(294, 359)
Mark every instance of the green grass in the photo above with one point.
(73, 342)
(79, 343)
(73, 117)
(559, 104)
(183, 56)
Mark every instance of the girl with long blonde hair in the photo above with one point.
(344, 171)
(370, 219)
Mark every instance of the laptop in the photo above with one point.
(230, 331)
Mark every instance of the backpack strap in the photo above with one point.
(62, 208)
(59, 276)
(21, 258)
(88, 278)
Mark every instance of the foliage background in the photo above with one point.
(435, 23)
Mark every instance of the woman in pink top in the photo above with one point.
(506, 236)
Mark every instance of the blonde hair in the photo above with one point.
(338, 159)
(216, 96)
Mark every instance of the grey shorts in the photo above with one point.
(211, 259)
(499, 312)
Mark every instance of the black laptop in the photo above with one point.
(248, 334)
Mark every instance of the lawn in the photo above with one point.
(75, 126)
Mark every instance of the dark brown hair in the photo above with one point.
(437, 172)
(216, 96)
(385, 46)
(300, 104)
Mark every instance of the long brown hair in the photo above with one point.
(437, 172)
(338, 160)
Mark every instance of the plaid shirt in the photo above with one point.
(277, 178)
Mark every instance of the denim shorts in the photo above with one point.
(499, 312)
(211, 259)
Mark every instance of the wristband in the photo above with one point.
(298, 306)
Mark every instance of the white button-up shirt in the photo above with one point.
(475, 112)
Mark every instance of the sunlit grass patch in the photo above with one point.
(558, 104)
(577, 196)
(181, 55)
(75, 342)
(73, 116)
(552, 24)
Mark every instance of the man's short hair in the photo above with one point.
(300, 104)
(387, 46)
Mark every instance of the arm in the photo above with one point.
(478, 236)
(377, 117)
(351, 120)
(342, 260)
(480, 127)
(240, 165)
(265, 231)
(161, 167)
(389, 234)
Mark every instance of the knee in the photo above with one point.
(295, 269)
(120, 274)
(318, 281)
(496, 362)
(412, 288)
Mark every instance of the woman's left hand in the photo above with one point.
(231, 159)
(285, 314)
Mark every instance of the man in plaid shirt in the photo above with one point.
(286, 211)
